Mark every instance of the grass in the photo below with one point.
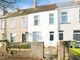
(75, 51)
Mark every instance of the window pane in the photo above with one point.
(36, 36)
(64, 17)
(76, 35)
(36, 20)
(12, 37)
(23, 37)
(51, 18)
(24, 22)
(60, 36)
(13, 23)
(78, 44)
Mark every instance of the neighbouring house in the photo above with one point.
(47, 23)
(16, 27)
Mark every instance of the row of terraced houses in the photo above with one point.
(47, 23)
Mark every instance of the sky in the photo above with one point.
(23, 4)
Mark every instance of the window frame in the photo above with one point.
(51, 16)
(13, 23)
(36, 36)
(51, 35)
(36, 19)
(23, 37)
(76, 32)
(12, 36)
(24, 22)
(62, 35)
(62, 15)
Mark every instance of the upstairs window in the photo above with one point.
(12, 23)
(51, 18)
(24, 22)
(36, 20)
(64, 17)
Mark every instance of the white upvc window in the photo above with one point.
(24, 22)
(12, 37)
(51, 18)
(64, 17)
(76, 35)
(12, 23)
(36, 36)
(2, 24)
(36, 20)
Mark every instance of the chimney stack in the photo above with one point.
(5, 11)
(77, 1)
(35, 3)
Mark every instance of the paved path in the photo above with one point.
(73, 57)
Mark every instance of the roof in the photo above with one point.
(43, 8)
(67, 4)
(33, 10)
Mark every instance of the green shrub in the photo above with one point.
(73, 44)
(12, 52)
(25, 46)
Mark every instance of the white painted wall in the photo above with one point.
(74, 24)
(44, 27)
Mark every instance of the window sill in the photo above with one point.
(12, 28)
(24, 26)
(51, 24)
(65, 23)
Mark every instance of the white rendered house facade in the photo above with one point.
(66, 25)
(69, 23)
(45, 29)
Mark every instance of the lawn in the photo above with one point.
(75, 51)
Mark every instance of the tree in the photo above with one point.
(5, 4)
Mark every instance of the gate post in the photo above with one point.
(63, 50)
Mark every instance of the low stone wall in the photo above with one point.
(36, 50)
(2, 48)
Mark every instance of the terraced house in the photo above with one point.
(48, 23)
(16, 27)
